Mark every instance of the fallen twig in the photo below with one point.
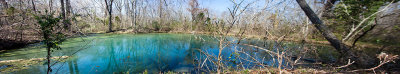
(384, 58)
(348, 64)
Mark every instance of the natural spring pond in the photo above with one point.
(156, 52)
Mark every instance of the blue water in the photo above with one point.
(154, 53)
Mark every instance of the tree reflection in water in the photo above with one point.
(157, 53)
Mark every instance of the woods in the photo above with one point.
(359, 31)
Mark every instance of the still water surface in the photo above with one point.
(156, 52)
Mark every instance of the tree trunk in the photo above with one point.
(33, 6)
(48, 59)
(63, 13)
(50, 5)
(109, 9)
(319, 24)
(135, 14)
(48, 47)
(110, 19)
(68, 8)
(160, 8)
(22, 21)
(68, 14)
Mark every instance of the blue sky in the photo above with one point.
(219, 6)
(216, 5)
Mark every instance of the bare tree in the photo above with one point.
(50, 5)
(235, 12)
(134, 10)
(131, 7)
(33, 6)
(109, 10)
(160, 9)
(118, 4)
(319, 24)
(63, 13)
(194, 10)
(68, 8)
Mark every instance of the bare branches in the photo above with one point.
(348, 64)
(350, 34)
(235, 12)
(384, 58)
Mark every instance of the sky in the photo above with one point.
(216, 5)
(219, 6)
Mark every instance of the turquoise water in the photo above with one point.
(158, 52)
